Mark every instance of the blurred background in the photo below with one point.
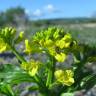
(30, 16)
(76, 16)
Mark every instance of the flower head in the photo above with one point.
(60, 57)
(64, 42)
(65, 77)
(31, 67)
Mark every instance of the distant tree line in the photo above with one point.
(18, 18)
(13, 17)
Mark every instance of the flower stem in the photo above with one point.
(51, 70)
(20, 58)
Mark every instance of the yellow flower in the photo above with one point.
(3, 45)
(48, 43)
(21, 35)
(67, 37)
(65, 77)
(52, 51)
(56, 34)
(60, 57)
(31, 67)
(60, 43)
(67, 44)
(25, 65)
(64, 42)
(28, 48)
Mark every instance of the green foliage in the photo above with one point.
(13, 16)
(49, 79)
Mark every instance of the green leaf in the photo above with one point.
(67, 94)
(33, 88)
(88, 84)
(11, 75)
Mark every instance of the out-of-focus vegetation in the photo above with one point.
(82, 29)
(13, 16)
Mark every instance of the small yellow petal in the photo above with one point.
(48, 43)
(21, 34)
(67, 37)
(24, 65)
(33, 71)
(28, 48)
(3, 45)
(59, 74)
(60, 57)
(52, 50)
(2, 49)
(60, 43)
(69, 82)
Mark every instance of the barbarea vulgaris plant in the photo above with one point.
(46, 69)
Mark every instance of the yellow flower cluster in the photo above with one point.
(65, 77)
(51, 43)
(31, 67)
(8, 32)
(7, 38)
(54, 40)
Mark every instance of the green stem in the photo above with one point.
(18, 55)
(49, 78)
(51, 70)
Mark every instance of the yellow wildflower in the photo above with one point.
(60, 57)
(21, 35)
(31, 67)
(56, 34)
(24, 65)
(48, 43)
(28, 48)
(62, 43)
(3, 45)
(67, 37)
(52, 50)
(65, 77)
